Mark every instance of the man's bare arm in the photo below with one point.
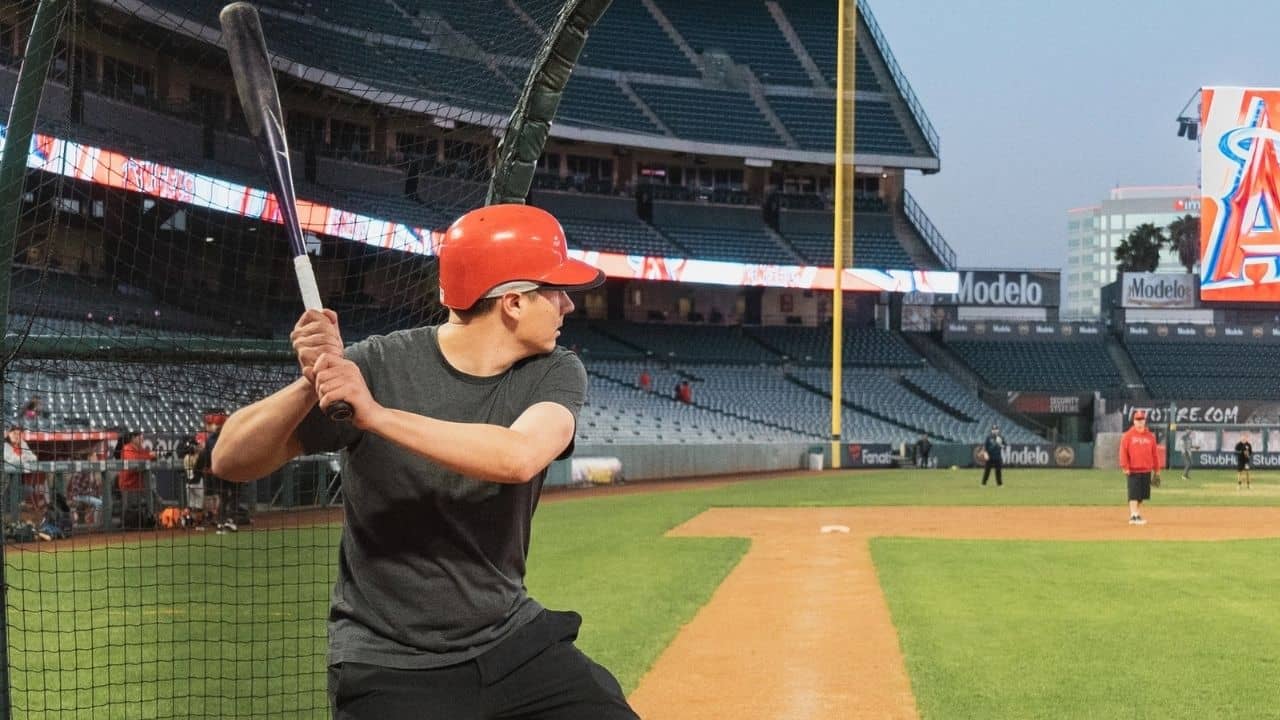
(260, 438)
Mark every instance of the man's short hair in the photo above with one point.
(490, 301)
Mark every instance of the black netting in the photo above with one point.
(152, 288)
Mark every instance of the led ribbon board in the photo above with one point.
(117, 170)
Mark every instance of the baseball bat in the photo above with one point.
(256, 86)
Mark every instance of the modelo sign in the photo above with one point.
(1011, 288)
(1158, 290)
(1043, 456)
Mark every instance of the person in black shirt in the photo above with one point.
(923, 447)
(1244, 459)
(993, 449)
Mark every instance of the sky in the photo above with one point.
(1045, 105)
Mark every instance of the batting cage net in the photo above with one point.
(152, 291)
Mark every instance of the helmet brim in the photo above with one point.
(572, 275)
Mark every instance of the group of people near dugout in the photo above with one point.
(78, 501)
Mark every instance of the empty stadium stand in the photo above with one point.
(628, 38)
(808, 119)
(863, 347)
(813, 21)
(1207, 370)
(732, 234)
(751, 38)
(634, 238)
(710, 115)
(1070, 366)
(757, 384)
(731, 245)
(618, 411)
(600, 104)
(169, 399)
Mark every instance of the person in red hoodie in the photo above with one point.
(131, 449)
(1140, 457)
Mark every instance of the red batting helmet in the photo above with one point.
(501, 244)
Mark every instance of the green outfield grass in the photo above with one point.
(1096, 630)
(119, 631)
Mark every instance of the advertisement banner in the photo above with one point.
(1141, 332)
(862, 455)
(1157, 290)
(1047, 403)
(715, 272)
(1240, 182)
(1205, 411)
(1021, 331)
(1227, 459)
(1062, 455)
(1006, 288)
(117, 170)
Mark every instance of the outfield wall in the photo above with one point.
(662, 462)
(1107, 451)
(659, 462)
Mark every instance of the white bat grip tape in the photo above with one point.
(307, 283)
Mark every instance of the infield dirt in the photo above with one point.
(800, 629)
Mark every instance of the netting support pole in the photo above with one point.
(13, 174)
(530, 121)
(13, 167)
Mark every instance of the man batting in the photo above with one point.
(454, 428)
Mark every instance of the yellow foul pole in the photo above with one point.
(846, 31)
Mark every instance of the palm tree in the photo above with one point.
(1140, 252)
(1184, 235)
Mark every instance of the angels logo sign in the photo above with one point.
(1240, 220)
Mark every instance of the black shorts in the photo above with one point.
(537, 672)
(1242, 465)
(1140, 486)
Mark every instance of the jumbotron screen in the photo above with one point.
(1240, 185)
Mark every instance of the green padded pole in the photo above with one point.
(13, 161)
(530, 122)
(13, 173)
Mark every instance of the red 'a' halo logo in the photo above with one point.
(1250, 245)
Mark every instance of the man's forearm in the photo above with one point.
(484, 452)
(259, 438)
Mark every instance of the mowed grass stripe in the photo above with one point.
(206, 625)
(1097, 630)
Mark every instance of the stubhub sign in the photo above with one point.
(1030, 288)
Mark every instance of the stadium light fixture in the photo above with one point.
(1189, 118)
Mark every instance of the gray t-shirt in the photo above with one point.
(431, 564)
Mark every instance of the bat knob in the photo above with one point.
(339, 412)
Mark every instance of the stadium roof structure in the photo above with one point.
(791, 114)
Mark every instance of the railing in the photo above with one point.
(309, 481)
(900, 79)
(931, 235)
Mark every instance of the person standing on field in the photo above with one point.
(1188, 447)
(1140, 458)
(454, 428)
(993, 451)
(1244, 461)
